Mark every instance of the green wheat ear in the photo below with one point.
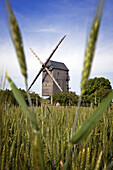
(91, 44)
(17, 39)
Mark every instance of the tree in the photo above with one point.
(7, 96)
(96, 90)
(66, 98)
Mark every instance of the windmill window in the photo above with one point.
(58, 73)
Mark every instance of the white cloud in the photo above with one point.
(47, 30)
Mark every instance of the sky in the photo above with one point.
(42, 24)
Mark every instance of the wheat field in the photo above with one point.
(55, 124)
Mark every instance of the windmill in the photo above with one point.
(46, 69)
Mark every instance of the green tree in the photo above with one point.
(66, 98)
(6, 96)
(96, 90)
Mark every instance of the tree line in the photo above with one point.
(7, 96)
(96, 90)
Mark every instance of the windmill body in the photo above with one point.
(61, 74)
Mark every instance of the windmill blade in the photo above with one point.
(35, 78)
(43, 66)
(37, 58)
(47, 70)
(54, 50)
(53, 79)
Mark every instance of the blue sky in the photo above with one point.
(43, 23)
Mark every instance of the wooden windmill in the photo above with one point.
(50, 82)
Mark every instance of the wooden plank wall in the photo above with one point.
(47, 84)
(49, 87)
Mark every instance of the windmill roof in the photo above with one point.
(56, 65)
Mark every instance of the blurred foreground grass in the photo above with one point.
(55, 123)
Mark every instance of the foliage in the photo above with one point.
(35, 98)
(66, 98)
(7, 96)
(96, 90)
(96, 84)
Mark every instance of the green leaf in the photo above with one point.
(92, 120)
(31, 116)
(20, 99)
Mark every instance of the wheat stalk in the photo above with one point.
(17, 39)
(91, 44)
(99, 160)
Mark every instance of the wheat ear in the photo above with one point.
(17, 39)
(91, 44)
